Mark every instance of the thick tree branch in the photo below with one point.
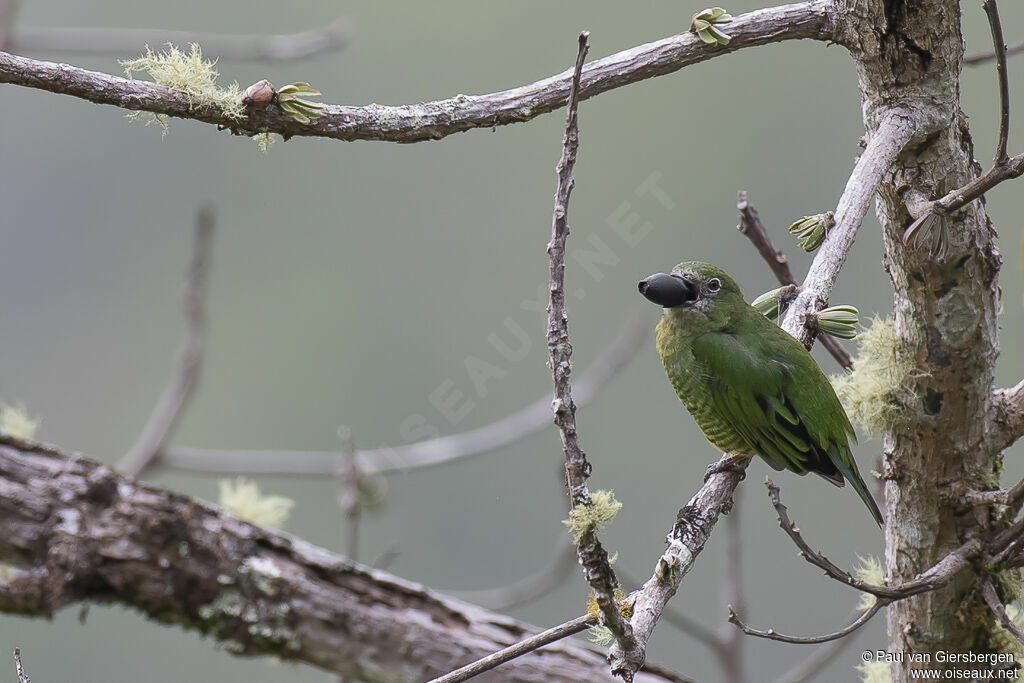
(686, 540)
(82, 533)
(125, 41)
(529, 421)
(186, 374)
(597, 569)
(751, 226)
(19, 667)
(894, 130)
(438, 119)
(1008, 416)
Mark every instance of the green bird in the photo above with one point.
(752, 388)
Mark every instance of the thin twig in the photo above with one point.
(592, 556)
(529, 421)
(433, 120)
(527, 589)
(543, 638)
(22, 676)
(348, 496)
(730, 655)
(982, 57)
(814, 663)
(750, 225)
(772, 634)
(125, 41)
(938, 575)
(996, 28)
(988, 592)
(183, 382)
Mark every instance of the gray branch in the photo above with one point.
(1008, 420)
(894, 131)
(78, 532)
(438, 119)
(529, 421)
(186, 374)
(126, 41)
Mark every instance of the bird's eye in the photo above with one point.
(714, 284)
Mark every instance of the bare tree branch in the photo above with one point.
(988, 592)
(22, 676)
(536, 642)
(435, 120)
(508, 430)
(894, 130)
(183, 382)
(79, 532)
(1008, 415)
(685, 542)
(108, 40)
(751, 226)
(730, 649)
(592, 555)
(938, 575)
(811, 666)
(772, 634)
(526, 589)
(996, 28)
(982, 57)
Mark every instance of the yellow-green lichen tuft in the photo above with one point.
(599, 513)
(875, 394)
(875, 672)
(190, 73)
(869, 570)
(15, 421)
(600, 635)
(242, 497)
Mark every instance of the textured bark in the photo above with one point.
(83, 533)
(909, 56)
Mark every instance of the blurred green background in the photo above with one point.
(405, 259)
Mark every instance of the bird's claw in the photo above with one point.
(734, 463)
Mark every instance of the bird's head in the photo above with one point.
(698, 295)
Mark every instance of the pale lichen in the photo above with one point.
(243, 498)
(15, 421)
(190, 73)
(593, 517)
(875, 394)
(875, 671)
(869, 570)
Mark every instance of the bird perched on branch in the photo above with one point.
(752, 388)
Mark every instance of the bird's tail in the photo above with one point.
(853, 476)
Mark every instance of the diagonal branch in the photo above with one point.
(79, 532)
(592, 556)
(521, 648)
(988, 593)
(894, 130)
(996, 28)
(752, 227)
(685, 542)
(438, 119)
(122, 41)
(186, 375)
(508, 430)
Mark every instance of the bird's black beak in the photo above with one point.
(667, 290)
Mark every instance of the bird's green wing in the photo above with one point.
(748, 387)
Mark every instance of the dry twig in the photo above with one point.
(183, 382)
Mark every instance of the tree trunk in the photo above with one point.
(909, 57)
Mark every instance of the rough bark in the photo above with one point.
(83, 533)
(909, 55)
